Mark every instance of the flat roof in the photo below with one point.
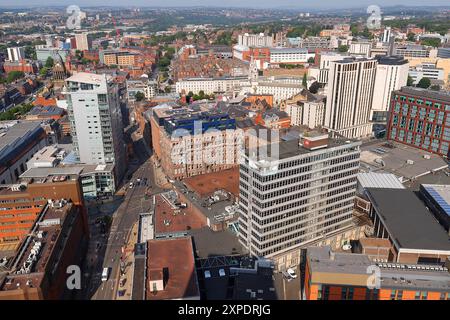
(170, 219)
(206, 184)
(379, 180)
(443, 96)
(209, 243)
(440, 194)
(330, 267)
(175, 259)
(407, 220)
(11, 132)
(394, 158)
(85, 77)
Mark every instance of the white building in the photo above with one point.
(82, 41)
(392, 74)
(255, 40)
(386, 34)
(307, 113)
(96, 120)
(289, 55)
(360, 48)
(148, 88)
(297, 195)
(281, 88)
(325, 58)
(426, 70)
(16, 54)
(210, 85)
(349, 97)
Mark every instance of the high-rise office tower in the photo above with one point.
(16, 54)
(386, 34)
(349, 97)
(392, 74)
(96, 120)
(296, 194)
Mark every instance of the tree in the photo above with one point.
(411, 37)
(190, 94)
(311, 60)
(314, 88)
(49, 63)
(305, 80)
(43, 71)
(14, 75)
(424, 83)
(410, 81)
(139, 96)
(167, 89)
(435, 87)
(343, 48)
(433, 42)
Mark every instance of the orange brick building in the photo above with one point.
(22, 203)
(347, 276)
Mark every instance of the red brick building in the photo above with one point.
(420, 118)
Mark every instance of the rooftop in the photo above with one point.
(330, 267)
(379, 180)
(178, 269)
(170, 218)
(206, 184)
(407, 220)
(443, 96)
(392, 157)
(13, 132)
(441, 195)
(85, 77)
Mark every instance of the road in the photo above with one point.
(124, 217)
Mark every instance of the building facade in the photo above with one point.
(299, 192)
(96, 121)
(421, 119)
(350, 96)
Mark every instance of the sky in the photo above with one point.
(322, 4)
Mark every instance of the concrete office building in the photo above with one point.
(209, 85)
(349, 97)
(299, 193)
(16, 54)
(392, 74)
(96, 121)
(289, 55)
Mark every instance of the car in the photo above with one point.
(291, 272)
(222, 272)
(131, 185)
(207, 274)
(286, 276)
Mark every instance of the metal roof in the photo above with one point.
(379, 180)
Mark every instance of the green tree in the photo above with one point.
(190, 94)
(433, 42)
(435, 87)
(305, 80)
(49, 63)
(14, 75)
(311, 60)
(410, 81)
(411, 37)
(424, 83)
(167, 89)
(139, 96)
(343, 48)
(43, 71)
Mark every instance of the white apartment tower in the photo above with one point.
(349, 97)
(392, 74)
(296, 194)
(16, 54)
(255, 40)
(82, 41)
(96, 120)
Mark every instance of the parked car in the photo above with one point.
(292, 273)
(207, 274)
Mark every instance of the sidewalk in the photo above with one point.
(127, 277)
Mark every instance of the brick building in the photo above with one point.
(421, 119)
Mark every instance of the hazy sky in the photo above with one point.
(228, 3)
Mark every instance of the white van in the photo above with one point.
(105, 274)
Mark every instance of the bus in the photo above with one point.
(105, 274)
